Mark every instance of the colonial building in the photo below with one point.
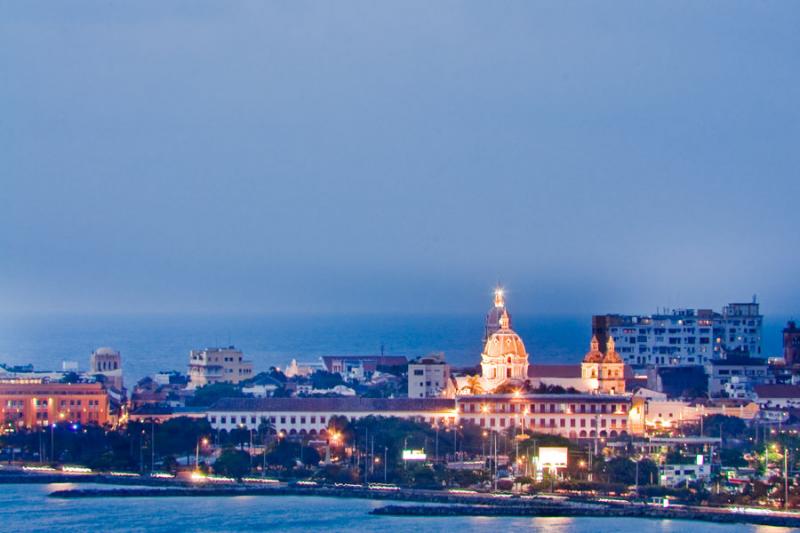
(30, 403)
(107, 362)
(218, 365)
(311, 416)
(603, 372)
(573, 416)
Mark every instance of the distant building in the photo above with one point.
(603, 372)
(302, 370)
(107, 362)
(28, 403)
(311, 416)
(218, 365)
(677, 475)
(683, 337)
(791, 344)
(429, 377)
(361, 367)
(599, 372)
(777, 396)
(574, 416)
(735, 376)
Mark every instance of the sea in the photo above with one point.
(154, 342)
(28, 508)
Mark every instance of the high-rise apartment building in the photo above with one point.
(682, 337)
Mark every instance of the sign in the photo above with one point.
(552, 457)
(414, 455)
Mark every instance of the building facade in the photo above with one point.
(429, 377)
(218, 365)
(603, 372)
(31, 403)
(311, 416)
(791, 344)
(574, 416)
(682, 337)
(736, 376)
(107, 362)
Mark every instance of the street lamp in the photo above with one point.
(204, 442)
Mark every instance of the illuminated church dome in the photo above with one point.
(504, 357)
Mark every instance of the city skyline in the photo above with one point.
(259, 158)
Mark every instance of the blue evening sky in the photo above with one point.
(398, 156)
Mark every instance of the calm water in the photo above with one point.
(27, 508)
(151, 343)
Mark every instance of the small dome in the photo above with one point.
(105, 350)
(594, 355)
(611, 353)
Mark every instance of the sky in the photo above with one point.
(257, 156)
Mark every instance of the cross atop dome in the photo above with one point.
(499, 298)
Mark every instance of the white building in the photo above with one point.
(107, 362)
(679, 475)
(218, 365)
(777, 396)
(684, 336)
(311, 416)
(429, 377)
(303, 370)
(736, 375)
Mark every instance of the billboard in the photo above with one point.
(414, 455)
(552, 457)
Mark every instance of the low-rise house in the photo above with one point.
(777, 396)
(736, 374)
(676, 475)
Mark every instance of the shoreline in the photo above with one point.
(439, 504)
(653, 513)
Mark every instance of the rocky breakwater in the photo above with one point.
(569, 509)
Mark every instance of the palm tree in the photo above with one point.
(474, 384)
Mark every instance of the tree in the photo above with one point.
(232, 463)
(322, 379)
(179, 436)
(732, 457)
(208, 395)
(287, 455)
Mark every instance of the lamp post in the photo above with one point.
(204, 442)
(785, 477)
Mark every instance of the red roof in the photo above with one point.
(777, 391)
(554, 371)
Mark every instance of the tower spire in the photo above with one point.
(504, 320)
(499, 298)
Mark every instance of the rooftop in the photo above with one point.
(777, 391)
(347, 404)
